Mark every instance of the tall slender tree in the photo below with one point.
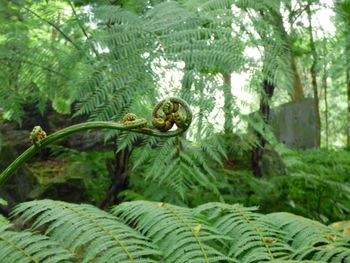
(313, 72)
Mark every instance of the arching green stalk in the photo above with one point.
(133, 125)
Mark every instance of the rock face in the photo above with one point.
(295, 125)
(67, 182)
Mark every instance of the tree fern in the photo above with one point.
(120, 71)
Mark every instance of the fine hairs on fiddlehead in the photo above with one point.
(172, 109)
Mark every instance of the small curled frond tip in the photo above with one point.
(37, 135)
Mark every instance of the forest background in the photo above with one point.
(97, 60)
(68, 61)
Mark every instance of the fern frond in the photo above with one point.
(302, 232)
(255, 238)
(324, 254)
(181, 236)
(178, 165)
(295, 261)
(84, 229)
(224, 4)
(26, 247)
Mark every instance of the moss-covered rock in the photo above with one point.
(68, 181)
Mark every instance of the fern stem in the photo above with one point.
(133, 127)
(20, 249)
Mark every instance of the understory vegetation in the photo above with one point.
(184, 131)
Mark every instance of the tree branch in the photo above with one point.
(37, 65)
(54, 26)
(81, 27)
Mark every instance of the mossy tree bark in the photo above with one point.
(258, 151)
(119, 170)
(325, 89)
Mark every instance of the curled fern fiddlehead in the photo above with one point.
(130, 121)
(174, 111)
(37, 135)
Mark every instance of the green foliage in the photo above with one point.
(34, 62)
(108, 58)
(106, 68)
(3, 202)
(93, 235)
(98, 180)
(175, 230)
(175, 165)
(30, 247)
(144, 231)
(317, 184)
(66, 164)
(3, 220)
(92, 166)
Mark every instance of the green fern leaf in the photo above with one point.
(32, 248)
(255, 238)
(181, 236)
(97, 235)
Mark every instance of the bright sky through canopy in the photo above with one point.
(247, 101)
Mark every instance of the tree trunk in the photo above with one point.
(313, 77)
(186, 84)
(228, 98)
(258, 151)
(298, 88)
(200, 115)
(325, 88)
(118, 170)
(348, 91)
(298, 92)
